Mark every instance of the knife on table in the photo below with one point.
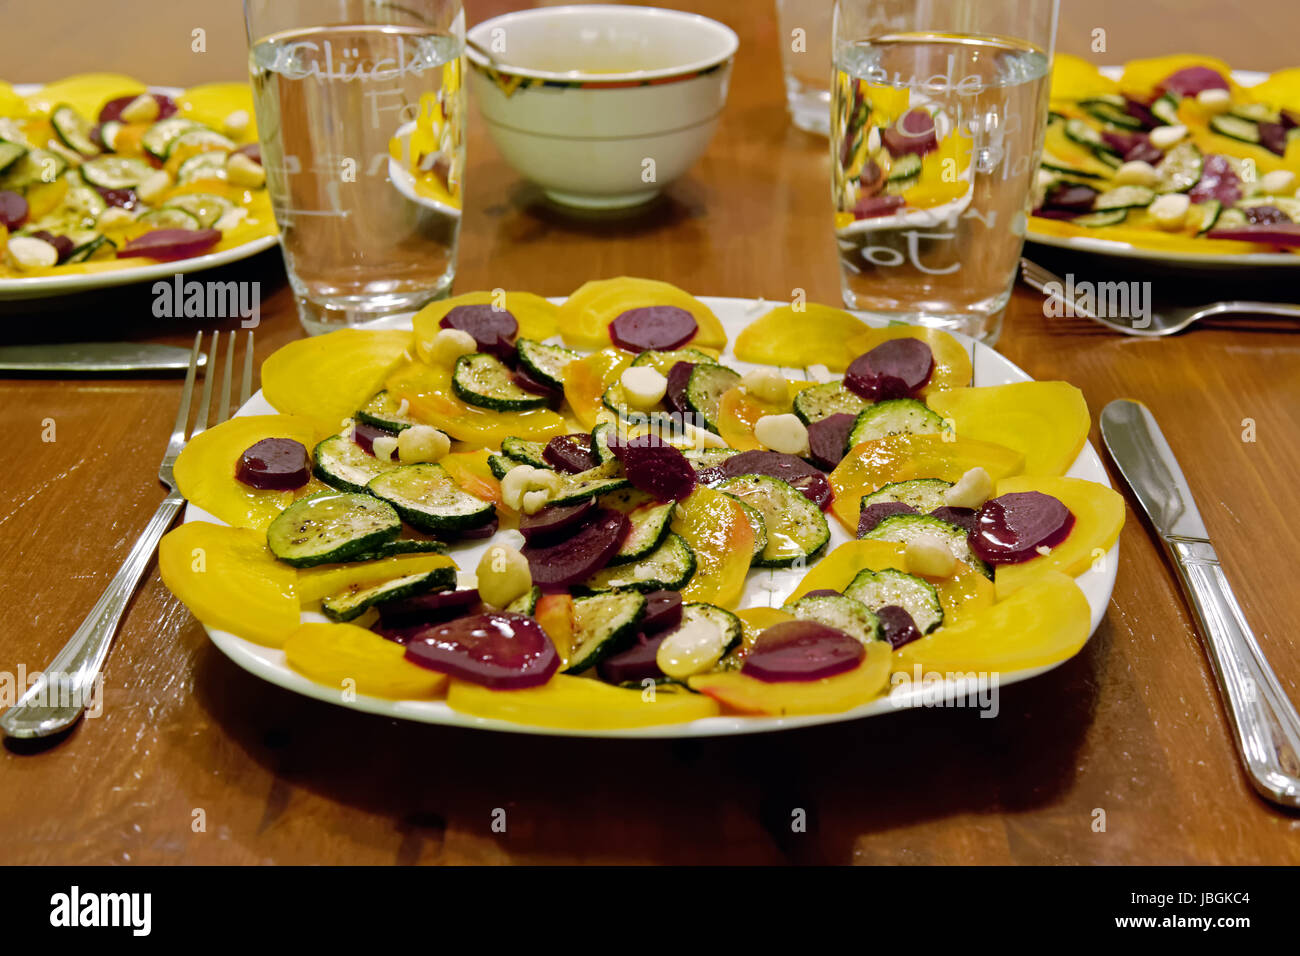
(95, 358)
(1265, 725)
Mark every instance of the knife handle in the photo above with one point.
(1265, 724)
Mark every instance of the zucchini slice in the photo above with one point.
(356, 600)
(95, 250)
(209, 165)
(903, 528)
(704, 391)
(34, 166)
(1110, 111)
(755, 519)
(923, 494)
(384, 411)
(428, 498)
(483, 380)
(1180, 170)
(500, 465)
(116, 172)
(73, 130)
(1232, 217)
(169, 218)
(663, 362)
(343, 464)
(204, 207)
(587, 484)
(667, 568)
(701, 458)
(905, 167)
(1210, 211)
(1077, 131)
(331, 526)
(1124, 197)
(796, 528)
(626, 500)
(546, 363)
(615, 399)
(200, 136)
(401, 546)
(916, 595)
(526, 603)
(524, 452)
(729, 628)
(649, 526)
(10, 153)
(158, 137)
(600, 441)
(1234, 127)
(83, 202)
(894, 416)
(1165, 109)
(840, 612)
(603, 624)
(1054, 164)
(816, 402)
(1096, 220)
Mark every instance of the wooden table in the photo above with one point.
(1132, 726)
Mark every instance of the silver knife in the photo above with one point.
(1264, 722)
(91, 358)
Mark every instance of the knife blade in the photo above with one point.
(93, 358)
(1266, 727)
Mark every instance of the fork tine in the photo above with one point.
(223, 409)
(187, 392)
(205, 399)
(246, 389)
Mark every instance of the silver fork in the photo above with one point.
(62, 692)
(1167, 322)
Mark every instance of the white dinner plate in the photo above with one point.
(45, 287)
(765, 587)
(1200, 260)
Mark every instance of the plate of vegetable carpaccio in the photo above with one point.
(105, 181)
(635, 512)
(1177, 159)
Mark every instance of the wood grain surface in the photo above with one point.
(196, 761)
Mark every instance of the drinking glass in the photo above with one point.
(937, 119)
(361, 116)
(805, 37)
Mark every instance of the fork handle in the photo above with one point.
(1264, 308)
(58, 697)
(1265, 725)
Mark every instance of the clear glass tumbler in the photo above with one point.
(804, 32)
(937, 119)
(361, 114)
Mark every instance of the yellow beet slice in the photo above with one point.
(205, 469)
(211, 103)
(328, 377)
(715, 527)
(1140, 77)
(966, 590)
(470, 470)
(791, 338)
(427, 389)
(85, 92)
(326, 579)
(1281, 90)
(739, 411)
(230, 581)
(536, 316)
(579, 703)
(952, 363)
(350, 658)
(554, 612)
(786, 698)
(902, 457)
(1074, 78)
(1044, 622)
(1045, 421)
(585, 316)
(1098, 517)
(586, 379)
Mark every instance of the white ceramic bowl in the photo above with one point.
(601, 106)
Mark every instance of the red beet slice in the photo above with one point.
(122, 198)
(1145, 152)
(1191, 80)
(554, 519)
(579, 555)
(253, 151)
(279, 464)
(963, 518)
(525, 381)
(62, 244)
(869, 207)
(654, 467)
(1273, 137)
(634, 665)
(168, 245)
(1009, 528)
(496, 649)
(802, 651)
(827, 438)
(653, 327)
(1265, 215)
(913, 133)
(364, 434)
(678, 378)
(1282, 234)
(482, 531)
(822, 592)
(425, 609)
(112, 110)
(1218, 181)
(1140, 111)
(893, 369)
(789, 468)
(570, 453)
(492, 329)
(663, 609)
(897, 626)
(872, 178)
(872, 515)
(1073, 198)
(13, 209)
